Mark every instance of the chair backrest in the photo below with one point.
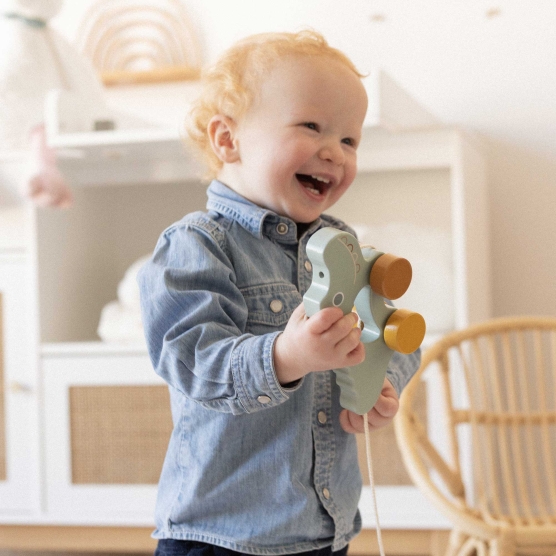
(499, 390)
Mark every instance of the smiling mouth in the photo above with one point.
(314, 184)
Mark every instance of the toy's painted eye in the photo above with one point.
(321, 274)
(338, 299)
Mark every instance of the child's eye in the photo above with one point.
(349, 141)
(311, 125)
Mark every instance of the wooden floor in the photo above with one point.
(77, 539)
(136, 540)
(401, 543)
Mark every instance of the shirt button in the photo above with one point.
(282, 228)
(322, 417)
(308, 266)
(276, 305)
(263, 399)
(326, 493)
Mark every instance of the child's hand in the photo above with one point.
(380, 415)
(327, 340)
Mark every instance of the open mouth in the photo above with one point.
(314, 184)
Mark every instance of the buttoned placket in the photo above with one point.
(323, 430)
(325, 451)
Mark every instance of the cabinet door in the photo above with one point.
(19, 457)
(107, 425)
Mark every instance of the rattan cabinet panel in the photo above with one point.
(107, 425)
(118, 434)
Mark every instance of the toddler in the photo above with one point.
(261, 459)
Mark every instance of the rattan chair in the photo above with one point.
(488, 462)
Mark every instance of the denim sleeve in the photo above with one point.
(194, 319)
(402, 368)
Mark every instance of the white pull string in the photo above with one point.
(372, 481)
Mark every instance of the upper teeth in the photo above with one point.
(318, 178)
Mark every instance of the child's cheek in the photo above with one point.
(351, 169)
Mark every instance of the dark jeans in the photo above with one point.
(173, 547)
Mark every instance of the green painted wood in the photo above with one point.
(341, 271)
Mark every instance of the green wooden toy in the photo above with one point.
(346, 275)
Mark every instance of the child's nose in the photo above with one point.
(333, 152)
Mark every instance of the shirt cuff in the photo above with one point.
(255, 380)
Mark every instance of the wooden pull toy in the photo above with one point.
(344, 275)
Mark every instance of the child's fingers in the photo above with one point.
(376, 420)
(324, 319)
(351, 422)
(351, 345)
(342, 328)
(356, 356)
(387, 406)
(388, 402)
(298, 314)
(379, 416)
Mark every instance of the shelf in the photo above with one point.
(125, 157)
(159, 154)
(146, 157)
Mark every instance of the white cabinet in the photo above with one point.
(106, 414)
(82, 418)
(103, 446)
(19, 393)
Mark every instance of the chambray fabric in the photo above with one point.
(250, 466)
(173, 547)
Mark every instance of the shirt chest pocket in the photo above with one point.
(270, 306)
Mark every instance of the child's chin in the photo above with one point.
(302, 214)
(305, 218)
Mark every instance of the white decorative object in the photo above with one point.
(36, 59)
(120, 321)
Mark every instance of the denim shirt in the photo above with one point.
(251, 465)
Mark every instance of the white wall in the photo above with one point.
(487, 66)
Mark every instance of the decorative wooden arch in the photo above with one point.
(140, 41)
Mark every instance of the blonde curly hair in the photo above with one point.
(230, 85)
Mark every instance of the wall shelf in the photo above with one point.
(147, 156)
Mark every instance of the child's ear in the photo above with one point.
(221, 131)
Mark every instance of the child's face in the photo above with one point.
(297, 143)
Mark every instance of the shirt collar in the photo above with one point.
(255, 219)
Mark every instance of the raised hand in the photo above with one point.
(328, 340)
